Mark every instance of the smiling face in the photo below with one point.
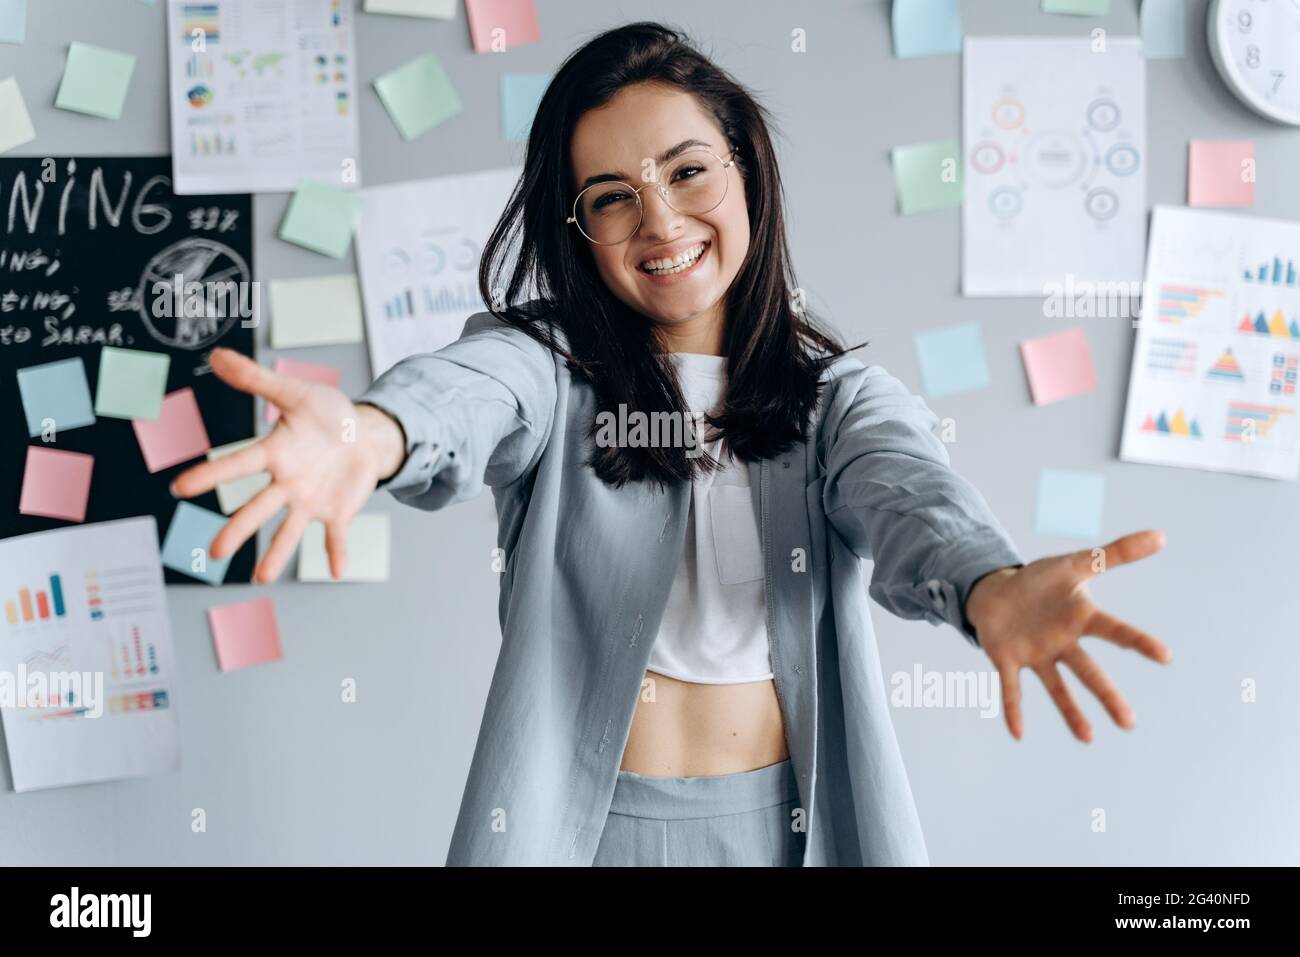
(677, 267)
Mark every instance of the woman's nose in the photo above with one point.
(658, 219)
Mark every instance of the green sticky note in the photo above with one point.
(418, 96)
(95, 81)
(928, 176)
(131, 383)
(15, 122)
(1079, 8)
(321, 218)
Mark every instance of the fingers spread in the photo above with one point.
(282, 546)
(245, 522)
(1104, 625)
(1064, 701)
(1099, 683)
(1129, 548)
(208, 475)
(336, 543)
(241, 372)
(1010, 677)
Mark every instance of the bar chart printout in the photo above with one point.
(86, 659)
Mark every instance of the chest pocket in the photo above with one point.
(736, 540)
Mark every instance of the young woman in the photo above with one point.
(688, 673)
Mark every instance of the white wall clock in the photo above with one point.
(1256, 46)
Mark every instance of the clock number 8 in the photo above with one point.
(1252, 57)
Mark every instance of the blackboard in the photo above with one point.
(84, 244)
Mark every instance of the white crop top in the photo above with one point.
(714, 628)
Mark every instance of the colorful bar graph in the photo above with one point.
(1273, 274)
(37, 605)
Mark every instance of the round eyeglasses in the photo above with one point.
(693, 183)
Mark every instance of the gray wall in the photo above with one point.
(288, 774)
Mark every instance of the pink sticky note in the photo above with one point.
(1058, 366)
(308, 371)
(517, 19)
(245, 633)
(177, 435)
(56, 484)
(1220, 173)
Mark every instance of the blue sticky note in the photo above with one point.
(1078, 8)
(926, 28)
(520, 94)
(13, 21)
(1070, 503)
(194, 528)
(56, 392)
(1164, 29)
(952, 360)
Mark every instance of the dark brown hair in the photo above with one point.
(775, 352)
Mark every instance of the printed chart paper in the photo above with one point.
(262, 94)
(1214, 377)
(1055, 140)
(418, 250)
(86, 602)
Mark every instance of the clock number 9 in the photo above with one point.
(1244, 21)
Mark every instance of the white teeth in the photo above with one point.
(680, 262)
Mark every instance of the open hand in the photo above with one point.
(1033, 617)
(325, 457)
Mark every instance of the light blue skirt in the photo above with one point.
(744, 819)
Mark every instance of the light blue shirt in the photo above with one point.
(588, 570)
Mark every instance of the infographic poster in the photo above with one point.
(1054, 133)
(86, 668)
(263, 93)
(418, 251)
(1214, 377)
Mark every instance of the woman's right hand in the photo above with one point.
(325, 457)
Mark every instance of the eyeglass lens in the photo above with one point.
(609, 213)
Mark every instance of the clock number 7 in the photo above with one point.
(1278, 77)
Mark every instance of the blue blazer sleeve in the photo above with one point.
(476, 412)
(892, 497)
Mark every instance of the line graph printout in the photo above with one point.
(263, 92)
(418, 251)
(86, 665)
(1054, 134)
(1217, 360)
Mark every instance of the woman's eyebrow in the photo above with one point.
(664, 157)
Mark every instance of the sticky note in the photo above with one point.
(55, 394)
(308, 372)
(56, 484)
(367, 557)
(13, 21)
(131, 383)
(928, 176)
(232, 495)
(1080, 8)
(95, 81)
(1221, 173)
(952, 360)
(321, 218)
(245, 633)
(1059, 365)
(185, 549)
(499, 25)
(316, 311)
(177, 435)
(15, 122)
(926, 28)
(418, 96)
(1070, 503)
(1163, 28)
(520, 94)
(433, 9)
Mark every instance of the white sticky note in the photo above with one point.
(15, 122)
(316, 311)
(368, 550)
(432, 9)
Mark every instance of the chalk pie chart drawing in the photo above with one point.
(224, 277)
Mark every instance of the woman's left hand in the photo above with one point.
(1034, 617)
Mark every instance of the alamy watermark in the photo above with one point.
(45, 690)
(637, 429)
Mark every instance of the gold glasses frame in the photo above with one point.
(660, 188)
